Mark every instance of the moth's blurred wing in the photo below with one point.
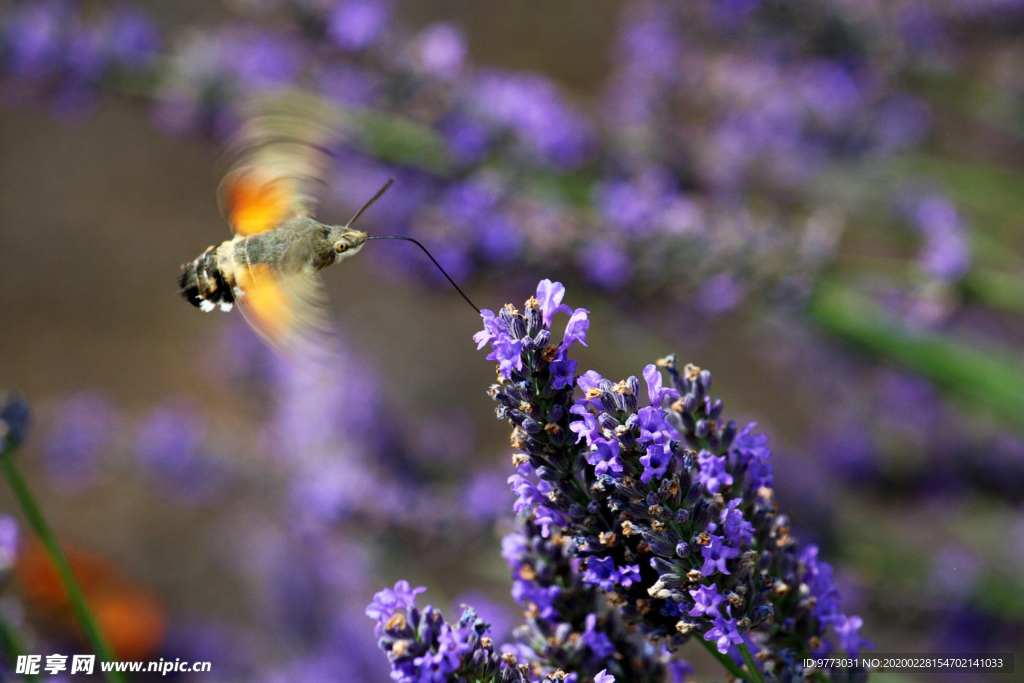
(289, 311)
(280, 158)
(254, 200)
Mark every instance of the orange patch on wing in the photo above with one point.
(131, 617)
(267, 302)
(257, 202)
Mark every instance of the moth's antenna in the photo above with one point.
(367, 205)
(409, 239)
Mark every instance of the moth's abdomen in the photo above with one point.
(204, 285)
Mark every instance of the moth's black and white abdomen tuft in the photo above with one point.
(203, 285)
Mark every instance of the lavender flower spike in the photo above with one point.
(669, 509)
(423, 648)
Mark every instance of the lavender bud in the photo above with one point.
(701, 515)
(608, 402)
(705, 380)
(760, 614)
(703, 429)
(716, 409)
(576, 512)
(608, 422)
(683, 550)
(663, 566)
(530, 426)
(694, 494)
(672, 580)
(548, 474)
(728, 434)
(629, 403)
(690, 404)
(652, 499)
(682, 516)
(534, 320)
(659, 546)
(556, 413)
(542, 339)
(714, 442)
(688, 421)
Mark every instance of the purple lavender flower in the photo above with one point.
(605, 457)
(423, 648)
(716, 555)
(706, 601)
(713, 472)
(568, 625)
(656, 391)
(636, 532)
(723, 632)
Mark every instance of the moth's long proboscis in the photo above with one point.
(429, 255)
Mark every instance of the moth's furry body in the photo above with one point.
(221, 274)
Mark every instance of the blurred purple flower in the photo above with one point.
(441, 51)
(946, 255)
(605, 265)
(486, 497)
(902, 121)
(649, 46)
(34, 36)
(134, 40)
(83, 427)
(263, 60)
(355, 25)
(348, 85)
(171, 448)
(8, 543)
(532, 106)
(719, 293)
(468, 139)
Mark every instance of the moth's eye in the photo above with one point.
(340, 247)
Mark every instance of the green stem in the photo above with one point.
(727, 662)
(11, 644)
(39, 524)
(755, 671)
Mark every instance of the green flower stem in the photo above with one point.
(752, 667)
(39, 524)
(12, 647)
(992, 378)
(729, 665)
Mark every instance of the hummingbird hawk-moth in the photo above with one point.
(270, 268)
